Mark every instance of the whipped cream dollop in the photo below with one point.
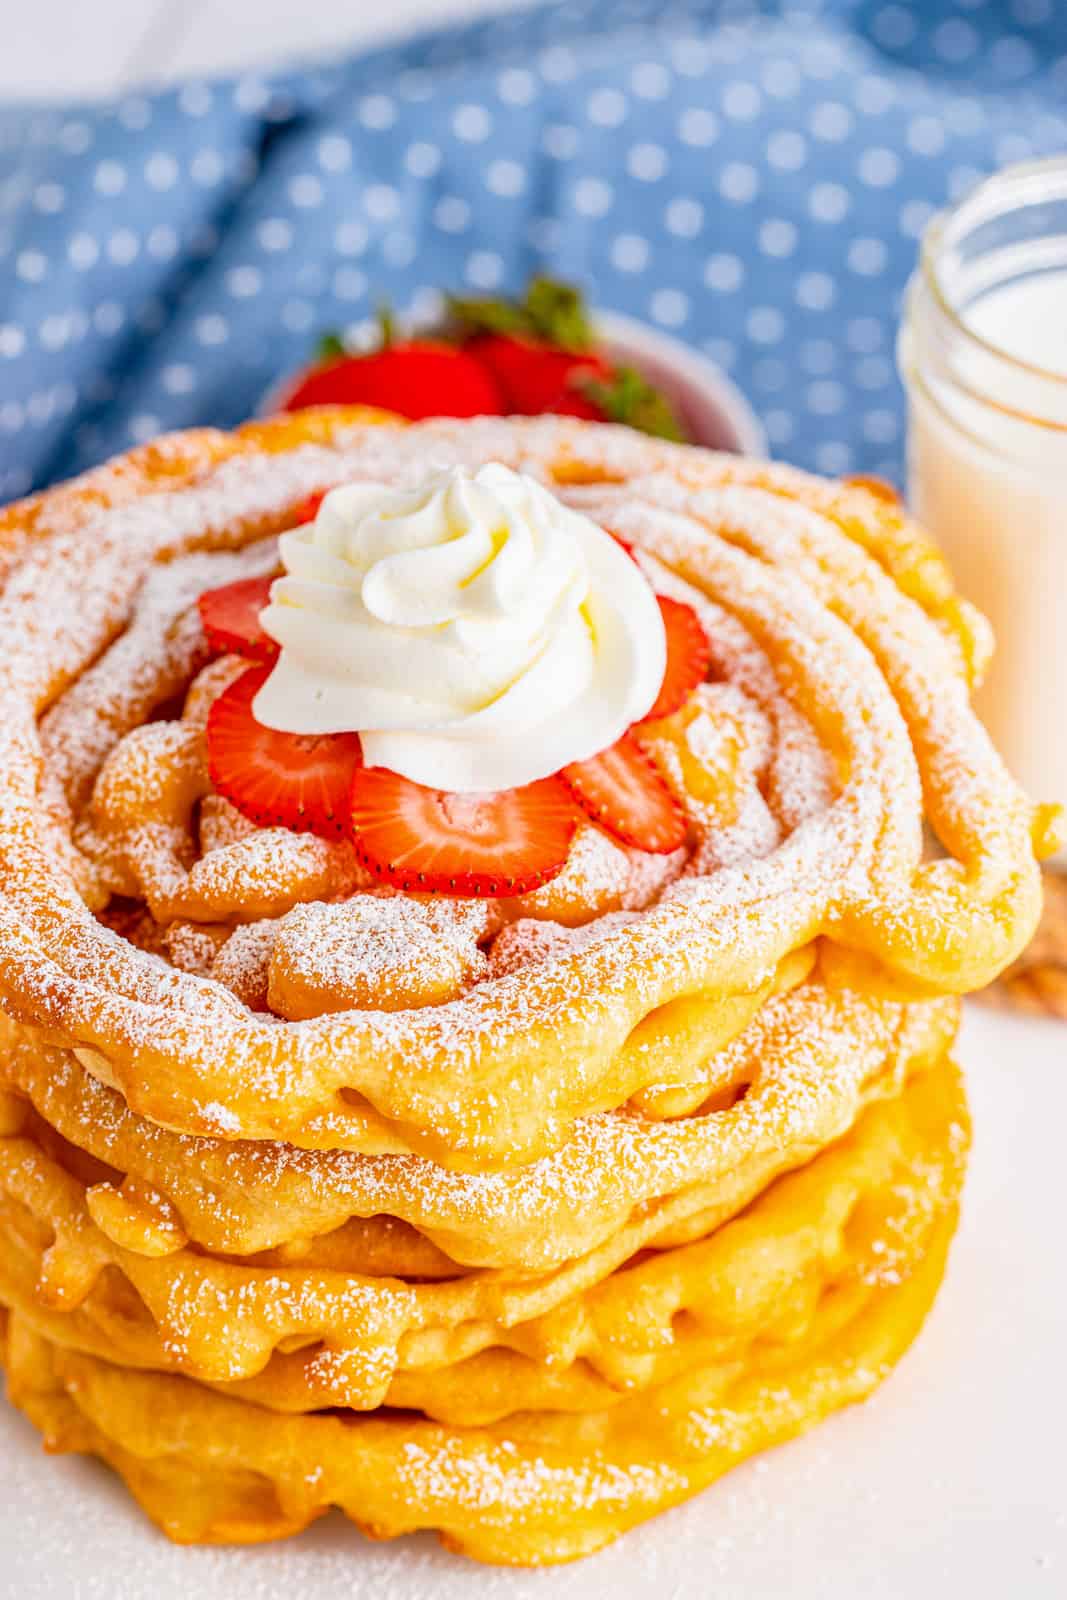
(475, 632)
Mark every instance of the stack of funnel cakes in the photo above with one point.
(519, 1216)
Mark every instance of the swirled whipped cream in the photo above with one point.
(476, 633)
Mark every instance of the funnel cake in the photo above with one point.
(167, 1305)
(523, 1208)
(787, 1085)
(816, 1291)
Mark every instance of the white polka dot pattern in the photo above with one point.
(750, 176)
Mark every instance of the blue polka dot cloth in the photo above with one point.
(752, 177)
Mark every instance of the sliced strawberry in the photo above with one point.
(429, 840)
(688, 657)
(279, 780)
(418, 378)
(623, 792)
(308, 509)
(230, 616)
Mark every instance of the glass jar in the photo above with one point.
(983, 354)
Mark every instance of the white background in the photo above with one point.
(950, 1482)
(72, 47)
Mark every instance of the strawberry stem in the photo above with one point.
(557, 311)
(551, 312)
(628, 397)
(331, 347)
(386, 325)
(472, 315)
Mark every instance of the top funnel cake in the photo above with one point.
(506, 1163)
(835, 720)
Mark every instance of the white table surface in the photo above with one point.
(949, 1482)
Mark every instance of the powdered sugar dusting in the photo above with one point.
(849, 717)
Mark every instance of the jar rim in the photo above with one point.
(1012, 185)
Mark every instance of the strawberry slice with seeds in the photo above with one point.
(434, 841)
(230, 616)
(308, 509)
(625, 544)
(279, 780)
(688, 657)
(622, 791)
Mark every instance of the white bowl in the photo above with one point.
(713, 411)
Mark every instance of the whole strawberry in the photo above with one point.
(494, 357)
(414, 377)
(542, 353)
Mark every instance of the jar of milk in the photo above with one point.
(983, 353)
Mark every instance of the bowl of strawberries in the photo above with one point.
(545, 353)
